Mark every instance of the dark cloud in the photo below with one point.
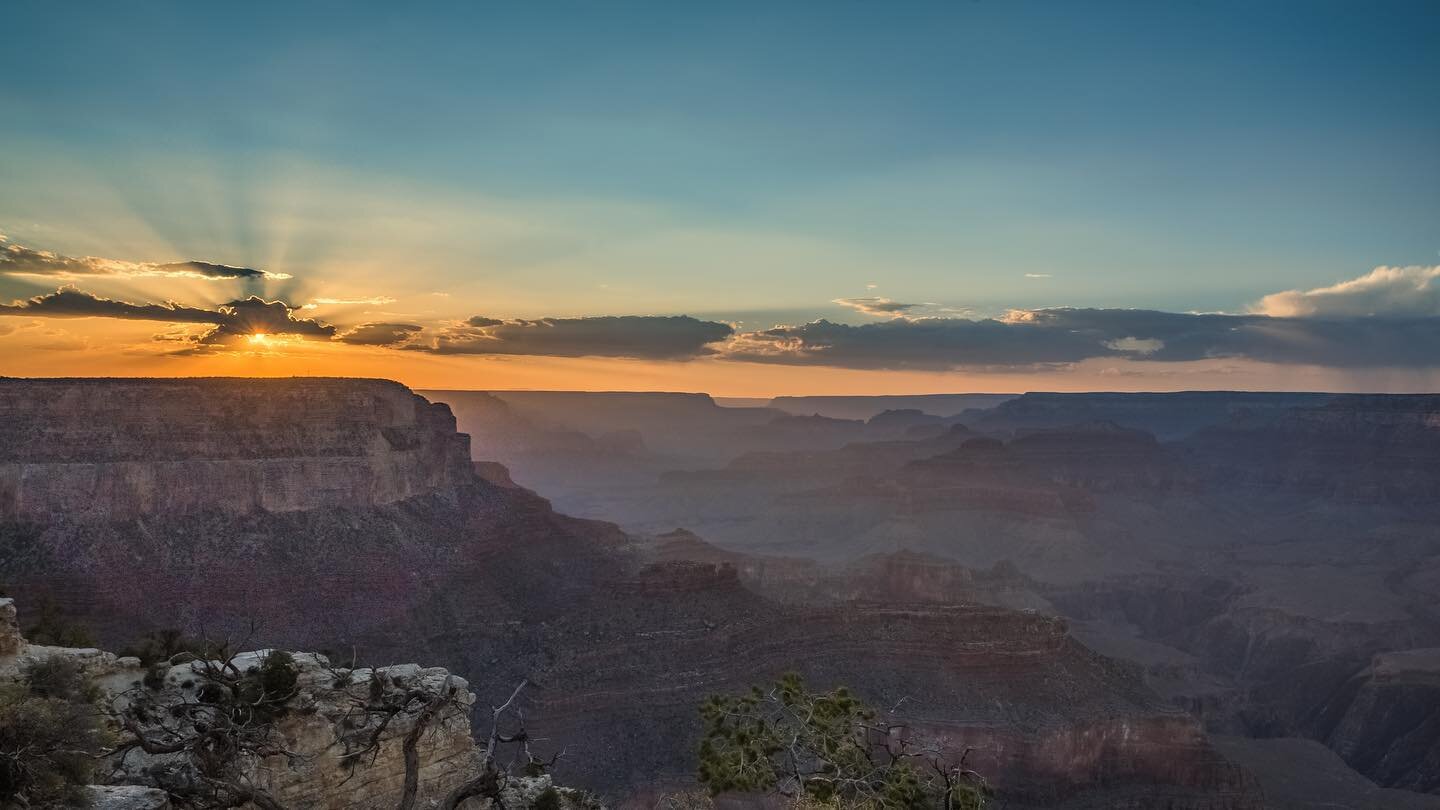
(876, 306)
(381, 334)
(1060, 336)
(68, 302)
(254, 315)
(238, 319)
(20, 260)
(208, 270)
(639, 336)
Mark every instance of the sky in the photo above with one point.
(749, 199)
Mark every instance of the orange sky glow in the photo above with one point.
(97, 347)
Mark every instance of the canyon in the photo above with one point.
(484, 577)
(1254, 555)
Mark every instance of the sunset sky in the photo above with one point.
(745, 199)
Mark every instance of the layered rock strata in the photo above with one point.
(125, 449)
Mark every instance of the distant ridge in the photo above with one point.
(864, 407)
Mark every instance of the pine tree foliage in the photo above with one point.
(826, 748)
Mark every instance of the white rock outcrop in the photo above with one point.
(321, 711)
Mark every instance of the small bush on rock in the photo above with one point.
(50, 734)
(826, 749)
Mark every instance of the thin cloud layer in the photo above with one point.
(376, 301)
(242, 318)
(1387, 318)
(645, 337)
(876, 306)
(381, 334)
(18, 260)
(1028, 339)
(1383, 292)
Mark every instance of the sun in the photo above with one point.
(259, 338)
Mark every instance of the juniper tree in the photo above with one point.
(827, 747)
(50, 735)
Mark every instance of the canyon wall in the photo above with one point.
(123, 449)
(1386, 720)
(1355, 449)
(1051, 723)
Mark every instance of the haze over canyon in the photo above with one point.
(987, 405)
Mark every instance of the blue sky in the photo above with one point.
(745, 162)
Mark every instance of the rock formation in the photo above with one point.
(1050, 721)
(1386, 720)
(1358, 449)
(124, 449)
(863, 407)
(321, 712)
(1169, 416)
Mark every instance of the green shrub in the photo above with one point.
(824, 748)
(549, 799)
(53, 628)
(50, 733)
(60, 677)
(161, 646)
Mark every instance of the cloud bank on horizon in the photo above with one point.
(1389, 317)
(239, 319)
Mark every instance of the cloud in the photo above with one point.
(377, 301)
(1038, 275)
(638, 336)
(18, 260)
(1383, 292)
(241, 318)
(381, 334)
(68, 302)
(921, 343)
(1140, 346)
(876, 306)
(1048, 337)
(254, 315)
(647, 337)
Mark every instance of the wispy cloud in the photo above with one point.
(19, 260)
(877, 306)
(377, 301)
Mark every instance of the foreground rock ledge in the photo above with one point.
(316, 778)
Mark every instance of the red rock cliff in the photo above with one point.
(121, 449)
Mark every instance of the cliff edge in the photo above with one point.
(119, 449)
